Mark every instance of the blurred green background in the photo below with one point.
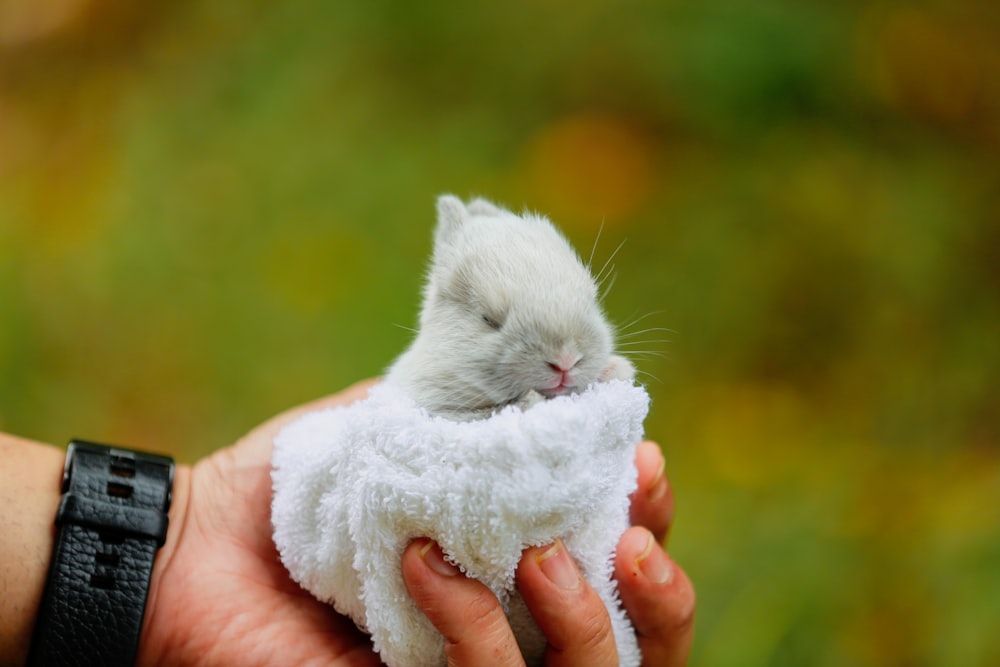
(211, 211)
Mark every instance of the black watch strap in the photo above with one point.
(111, 521)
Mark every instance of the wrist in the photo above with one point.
(111, 522)
(150, 640)
(29, 491)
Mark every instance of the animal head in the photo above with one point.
(509, 307)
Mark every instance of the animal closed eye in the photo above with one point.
(491, 323)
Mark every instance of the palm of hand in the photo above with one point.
(222, 596)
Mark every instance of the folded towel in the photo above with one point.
(354, 485)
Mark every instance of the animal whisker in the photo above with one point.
(593, 248)
(643, 353)
(632, 343)
(603, 289)
(649, 375)
(600, 277)
(633, 334)
(636, 320)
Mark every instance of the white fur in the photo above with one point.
(506, 299)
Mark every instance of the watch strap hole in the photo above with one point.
(106, 559)
(119, 490)
(108, 537)
(122, 466)
(102, 581)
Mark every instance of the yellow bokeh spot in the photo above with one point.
(758, 434)
(919, 62)
(25, 21)
(297, 268)
(589, 168)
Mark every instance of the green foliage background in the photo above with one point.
(211, 211)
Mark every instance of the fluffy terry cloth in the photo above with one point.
(354, 485)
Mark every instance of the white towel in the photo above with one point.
(354, 485)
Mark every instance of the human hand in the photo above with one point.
(657, 595)
(220, 595)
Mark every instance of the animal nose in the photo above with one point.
(565, 362)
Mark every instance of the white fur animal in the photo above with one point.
(510, 315)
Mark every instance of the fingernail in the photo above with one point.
(654, 563)
(658, 487)
(559, 567)
(434, 557)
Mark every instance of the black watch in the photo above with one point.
(111, 521)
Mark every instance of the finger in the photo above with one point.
(653, 500)
(658, 597)
(569, 613)
(463, 610)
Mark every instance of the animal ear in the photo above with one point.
(452, 214)
(480, 206)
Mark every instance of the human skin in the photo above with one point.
(220, 596)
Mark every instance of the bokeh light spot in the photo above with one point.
(25, 21)
(589, 167)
